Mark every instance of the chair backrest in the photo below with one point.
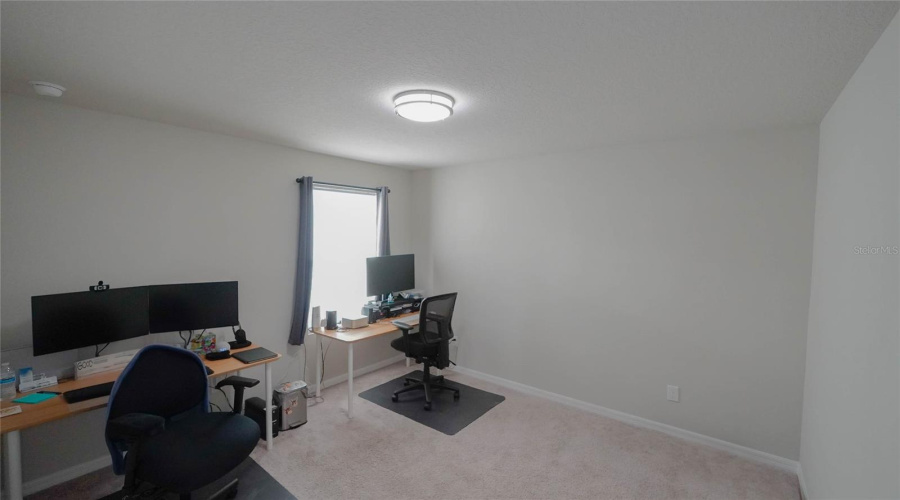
(160, 380)
(435, 316)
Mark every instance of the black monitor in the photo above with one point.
(193, 306)
(66, 321)
(393, 273)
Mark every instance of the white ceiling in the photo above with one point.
(529, 78)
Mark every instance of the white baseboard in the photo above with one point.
(803, 494)
(61, 476)
(359, 371)
(735, 449)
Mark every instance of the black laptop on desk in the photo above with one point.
(254, 355)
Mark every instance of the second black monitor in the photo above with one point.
(392, 273)
(193, 306)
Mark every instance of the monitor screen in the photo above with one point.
(193, 306)
(393, 273)
(71, 320)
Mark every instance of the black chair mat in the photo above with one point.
(446, 415)
(255, 484)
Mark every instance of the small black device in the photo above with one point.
(331, 320)
(253, 355)
(90, 392)
(99, 287)
(224, 354)
(193, 306)
(66, 321)
(209, 371)
(240, 339)
(391, 273)
(256, 410)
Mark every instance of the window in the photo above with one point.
(344, 235)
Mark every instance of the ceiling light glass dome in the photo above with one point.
(423, 105)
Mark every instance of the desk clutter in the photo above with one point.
(35, 398)
(254, 355)
(90, 392)
(100, 364)
(393, 306)
(216, 355)
(10, 410)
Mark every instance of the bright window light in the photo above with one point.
(343, 237)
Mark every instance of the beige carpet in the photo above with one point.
(526, 447)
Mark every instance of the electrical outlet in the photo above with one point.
(672, 393)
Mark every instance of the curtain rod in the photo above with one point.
(348, 186)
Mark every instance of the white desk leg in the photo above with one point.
(407, 362)
(14, 454)
(350, 380)
(269, 406)
(318, 366)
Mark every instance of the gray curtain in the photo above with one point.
(303, 279)
(382, 223)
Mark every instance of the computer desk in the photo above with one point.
(58, 409)
(350, 337)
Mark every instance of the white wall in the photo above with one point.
(851, 402)
(605, 275)
(89, 196)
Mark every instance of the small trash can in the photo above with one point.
(291, 398)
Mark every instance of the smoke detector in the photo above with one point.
(47, 89)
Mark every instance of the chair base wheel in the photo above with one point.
(427, 406)
(455, 396)
(395, 398)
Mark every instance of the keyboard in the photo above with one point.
(90, 392)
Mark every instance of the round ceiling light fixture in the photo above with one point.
(47, 89)
(423, 105)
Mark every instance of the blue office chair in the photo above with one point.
(159, 429)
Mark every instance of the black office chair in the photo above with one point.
(159, 429)
(429, 344)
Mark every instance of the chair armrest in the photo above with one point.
(406, 327)
(441, 320)
(236, 381)
(135, 426)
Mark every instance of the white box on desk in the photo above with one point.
(100, 364)
(355, 322)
